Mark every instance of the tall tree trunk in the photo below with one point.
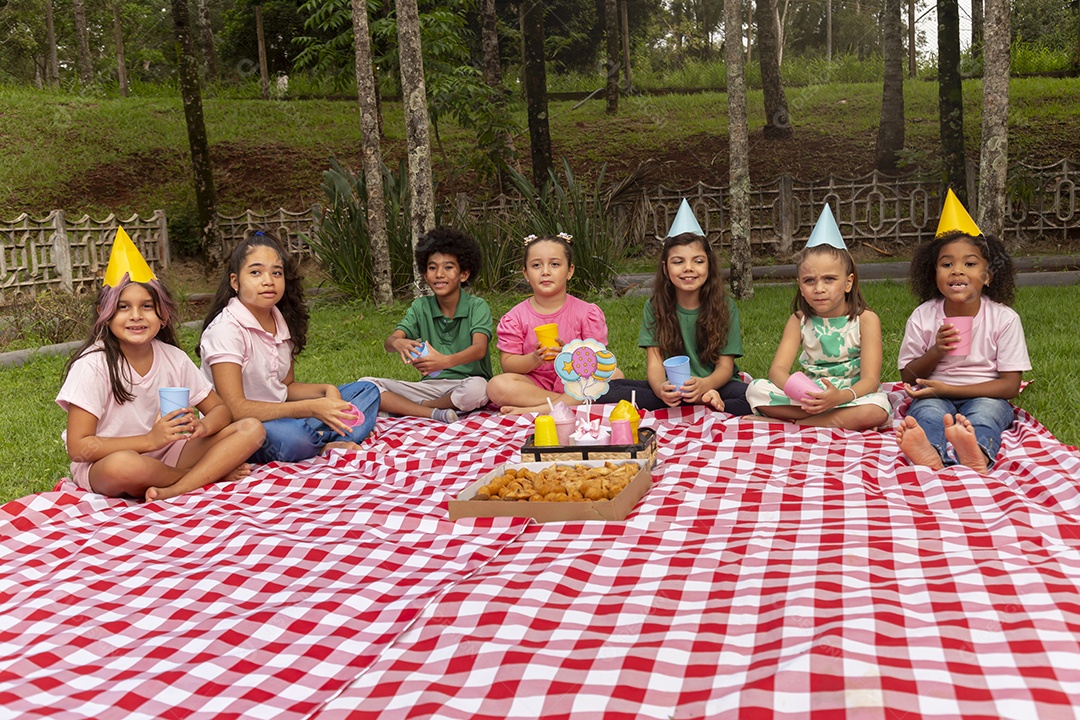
(911, 38)
(489, 38)
(890, 139)
(977, 28)
(777, 120)
(82, 37)
(951, 98)
(749, 30)
(264, 71)
(213, 252)
(828, 31)
(53, 69)
(742, 280)
(206, 38)
(534, 67)
(994, 160)
(626, 43)
(611, 22)
(372, 154)
(418, 142)
(118, 41)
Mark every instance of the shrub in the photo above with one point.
(48, 318)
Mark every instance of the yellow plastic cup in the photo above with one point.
(547, 335)
(546, 434)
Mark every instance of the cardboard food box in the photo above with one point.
(465, 504)
(645, 449)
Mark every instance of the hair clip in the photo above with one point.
(529, 239)
(258, 233)
(567, 237)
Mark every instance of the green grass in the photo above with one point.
(346, 343)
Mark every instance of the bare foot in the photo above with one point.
(163, 493)
(242, 471)
(916, 447)
(962, 436)
(515, 410)
(151, 494)
(341, 445)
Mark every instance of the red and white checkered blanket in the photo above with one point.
(770, 572)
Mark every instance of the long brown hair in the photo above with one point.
(108, 300)
(856, 303)
(714, 318)
(291, 304)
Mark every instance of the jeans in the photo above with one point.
(294, 439)
(733, 394)
(988, 416)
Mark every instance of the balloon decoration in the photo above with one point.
(585, 366)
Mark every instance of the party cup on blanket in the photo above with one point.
(173, 399)
(356, 416)
(798, 386)
(420, 352)
(963, 326)
(678, 370)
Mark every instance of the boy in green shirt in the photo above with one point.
(444, 336)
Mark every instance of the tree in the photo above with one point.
(890, 139)
(742, 280)
(777, 119)
(214, 253)
(489, 38)
(53, 67)
(611, 20)
(994, 156)
(976, 28)
(418, 143)
(118, 41)
(372, 153)
(82, 37)
(535, 70)
(206, 38)
(951, 99)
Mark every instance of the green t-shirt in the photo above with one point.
(425, 321)
(688, 328)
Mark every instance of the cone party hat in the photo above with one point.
(826, 232)
(955, 218)
(126, 258)
(685, 222)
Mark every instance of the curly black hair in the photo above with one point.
(923, 272)
(449, 241)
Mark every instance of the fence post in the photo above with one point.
(787, 213)
(62, 251)
(163, 231)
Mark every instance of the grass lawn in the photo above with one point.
(346, 343)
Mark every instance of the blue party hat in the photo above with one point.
(685, 222)
(826, 232)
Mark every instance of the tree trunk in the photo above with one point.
(626, 44)
(372, 154)
(534, 67)
(951, 99)
(890, 139)
(418, 143)
(749, 30)
(264, 72)
(82, 36)
(489, 37)
(206, 38)
(977, 22)
(742, 280)
(118, 41)
(53, 69)
(911, 38)
(994, 160)
(611, 23)
(777, 120)
(213, 252)
(828, 31)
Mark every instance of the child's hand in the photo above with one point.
(825, 400)
(177, 425)
(712, 397)
(924, 388)
(198, 430)
(336, 413)
(670, 395)
(692, 390)
(434, 361)
(948, 338)
(405, 347)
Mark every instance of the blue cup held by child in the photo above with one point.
(678, 370)
(420, 352)
(173, 399)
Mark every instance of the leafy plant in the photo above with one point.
(341, 241)
(47, 318)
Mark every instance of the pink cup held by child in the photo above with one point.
(798, 386)
(963, 326)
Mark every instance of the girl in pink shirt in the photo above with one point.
(118, 442)
(529, 379)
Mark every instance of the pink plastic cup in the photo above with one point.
(963, 326)
(798, 386)
(621, 434)
(356, 416)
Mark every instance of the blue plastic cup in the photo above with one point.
(677, 369)
(173, 399)
(423, 352)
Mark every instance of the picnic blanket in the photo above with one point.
(770, 572)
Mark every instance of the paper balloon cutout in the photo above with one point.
(585, 366)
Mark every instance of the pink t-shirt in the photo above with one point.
(87, 386)
(265, 359)
(577, 320)
(997, 343)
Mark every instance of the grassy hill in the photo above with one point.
(100, 155)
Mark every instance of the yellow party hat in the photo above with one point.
(126, 258)
(955, 218)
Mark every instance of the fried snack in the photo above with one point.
(560, 483)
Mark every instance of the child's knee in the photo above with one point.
(470, 394)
